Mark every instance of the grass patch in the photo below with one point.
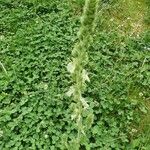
(36, 42)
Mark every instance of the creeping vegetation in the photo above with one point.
(36, 42)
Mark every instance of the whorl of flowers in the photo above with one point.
(78, 63)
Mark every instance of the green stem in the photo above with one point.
(80, 58)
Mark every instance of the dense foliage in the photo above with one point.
(36, 41)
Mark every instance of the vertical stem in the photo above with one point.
(80, 60)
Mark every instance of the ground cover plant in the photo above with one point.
(36, 42)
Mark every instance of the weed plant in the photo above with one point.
(36, 40)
